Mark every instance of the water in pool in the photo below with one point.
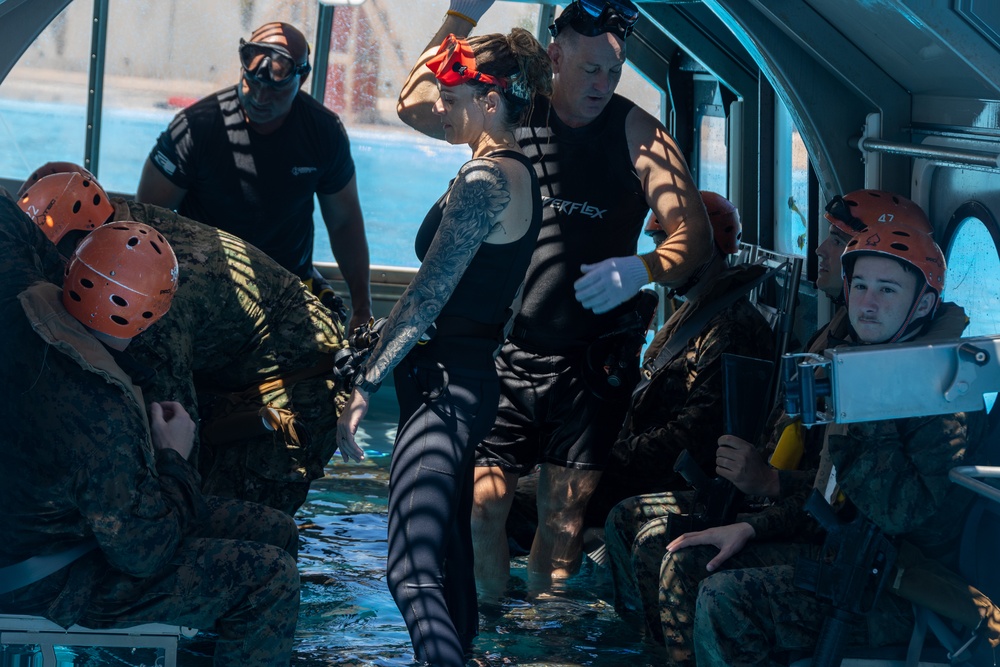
(349, 618)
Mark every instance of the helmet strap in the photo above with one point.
(912, 325)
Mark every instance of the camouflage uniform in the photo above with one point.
(680, 409)
(239, 320)
(637, 530)
(77, 465)
(894, 471)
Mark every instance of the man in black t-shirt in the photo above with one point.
(248, 159)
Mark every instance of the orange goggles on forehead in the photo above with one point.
(455, 63)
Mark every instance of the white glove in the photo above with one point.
(471, 9)
(606, 284)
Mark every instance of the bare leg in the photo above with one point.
(562, 499)
(493, 495)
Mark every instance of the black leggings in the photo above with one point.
(443, 415)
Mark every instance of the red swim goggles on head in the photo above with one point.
(455, 63)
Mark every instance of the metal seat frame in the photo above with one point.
(35, 630)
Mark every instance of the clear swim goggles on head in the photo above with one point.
(455, 63)
(594, 17)
(270, 64)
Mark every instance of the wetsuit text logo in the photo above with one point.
(571, 207)
(165, 163)
(299, 171)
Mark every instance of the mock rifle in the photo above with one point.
(612, 360)
(744, 406)
(714, 495)
(861, 560)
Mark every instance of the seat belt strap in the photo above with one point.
(680, 338)
(37, 568)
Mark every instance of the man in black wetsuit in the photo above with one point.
(248, 159)
(602, 163)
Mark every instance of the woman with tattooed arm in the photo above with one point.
(441, 338)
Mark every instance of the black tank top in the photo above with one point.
(594, 208)
(489, 285)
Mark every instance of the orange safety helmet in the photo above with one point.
(725, 219)
(50, 168)
(121, 279)
(723, 216)
(65, 202)
(857, 210)
(905, 244)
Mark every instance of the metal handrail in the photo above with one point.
(968, 476)
(950, 155)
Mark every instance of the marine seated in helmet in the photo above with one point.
(243, 335)
(681, 406)
(747, 610)
(847, 215)
(103, 522)
(850, 214)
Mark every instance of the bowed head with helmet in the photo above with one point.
(121, 279)
(727, 231)
(55, 167)
(722, 215)
(64, 202)
(725, 221)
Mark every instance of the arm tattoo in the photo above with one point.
(477, 199)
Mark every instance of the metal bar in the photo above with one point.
(321, 59)
(967, 476)
(95, 92)
(950, 155)
(546, 15)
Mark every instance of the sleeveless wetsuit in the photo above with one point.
(448, 392)
(594, 209)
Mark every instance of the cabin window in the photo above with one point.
(150, 74)
(713, 154)
(791, 185)
(973, 278)
(43, 100)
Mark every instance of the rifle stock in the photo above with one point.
(862, 559)
(715, 495)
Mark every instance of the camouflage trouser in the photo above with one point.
(236, 576)
(239, 320)
(751, 613)
(269, 468)
(635, 541)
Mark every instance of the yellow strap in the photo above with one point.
(452, 12)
